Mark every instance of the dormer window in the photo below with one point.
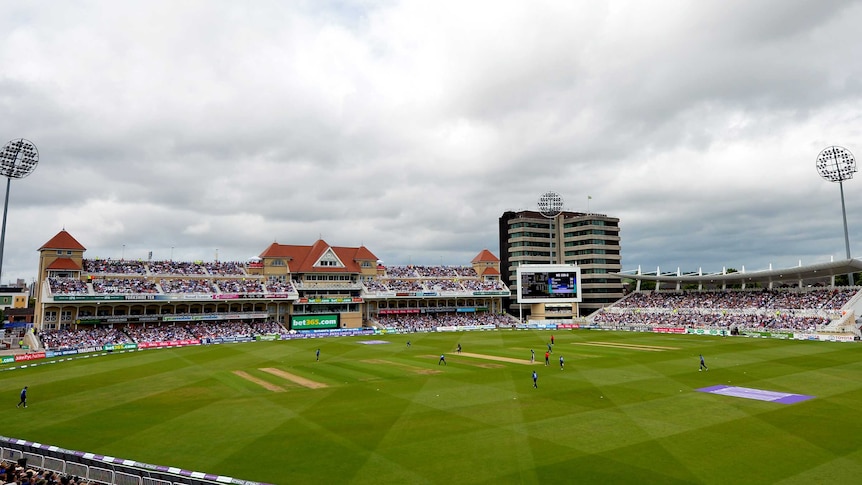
(329, 260)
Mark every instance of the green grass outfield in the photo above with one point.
(625, 409)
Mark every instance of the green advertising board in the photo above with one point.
(781, 335)
(706, 331)
(129, 346)
(313, 322)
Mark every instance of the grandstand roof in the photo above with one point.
(485, 256)
(490, 271)
(64, 263)
(304, 257)
(812, 272)
(63, 240)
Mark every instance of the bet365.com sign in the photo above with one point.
(313, 322)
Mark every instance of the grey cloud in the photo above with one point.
(410, 127)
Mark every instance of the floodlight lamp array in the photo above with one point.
(18, 159)
(550, 204)
(836, 164)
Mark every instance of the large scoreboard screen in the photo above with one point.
(549, 283)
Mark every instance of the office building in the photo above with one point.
(587, 240)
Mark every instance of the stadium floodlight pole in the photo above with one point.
(550, 206)
(836, 164)
(18, 159)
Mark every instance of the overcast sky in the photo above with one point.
(217, 127)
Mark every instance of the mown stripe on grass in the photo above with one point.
(231, 429)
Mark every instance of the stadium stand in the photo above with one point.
(111, 266)
(240, 285)
(806, 310)
(418, 322)
(139, 333)
(177, 285)
(123, 285)
(84, 337)
(67, 286)
(225, 268)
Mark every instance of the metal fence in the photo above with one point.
(95, 471)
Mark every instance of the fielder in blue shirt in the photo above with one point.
(23, 398)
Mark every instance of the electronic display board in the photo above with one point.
(549, 283)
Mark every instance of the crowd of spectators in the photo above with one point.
(181, 268)
(222, 268)
(434, 271)
(727, 321)
(443, 285)
(398, 278)
(756, 310)
(13, 473)
(763, 299)
(427, 322)
(465, 271)
(114, 266)
(224, 329)
(483, 285)
(139, 333)
(401, 272)
(419, 271)
(73, 286)
(240, 285)
(267, 327)
(276, 286)
(404, 285)
(157, 333)
(375, 286)
(186, 285)
(67, 286)
(432, 284)
(839, 299)
(82, 337)
(122, 266)
(124, 285)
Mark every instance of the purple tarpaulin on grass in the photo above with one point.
(759, 394)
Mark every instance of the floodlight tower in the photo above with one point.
(836, 164)
(550, 206)
(18, 159)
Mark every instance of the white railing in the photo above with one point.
(29, 457)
